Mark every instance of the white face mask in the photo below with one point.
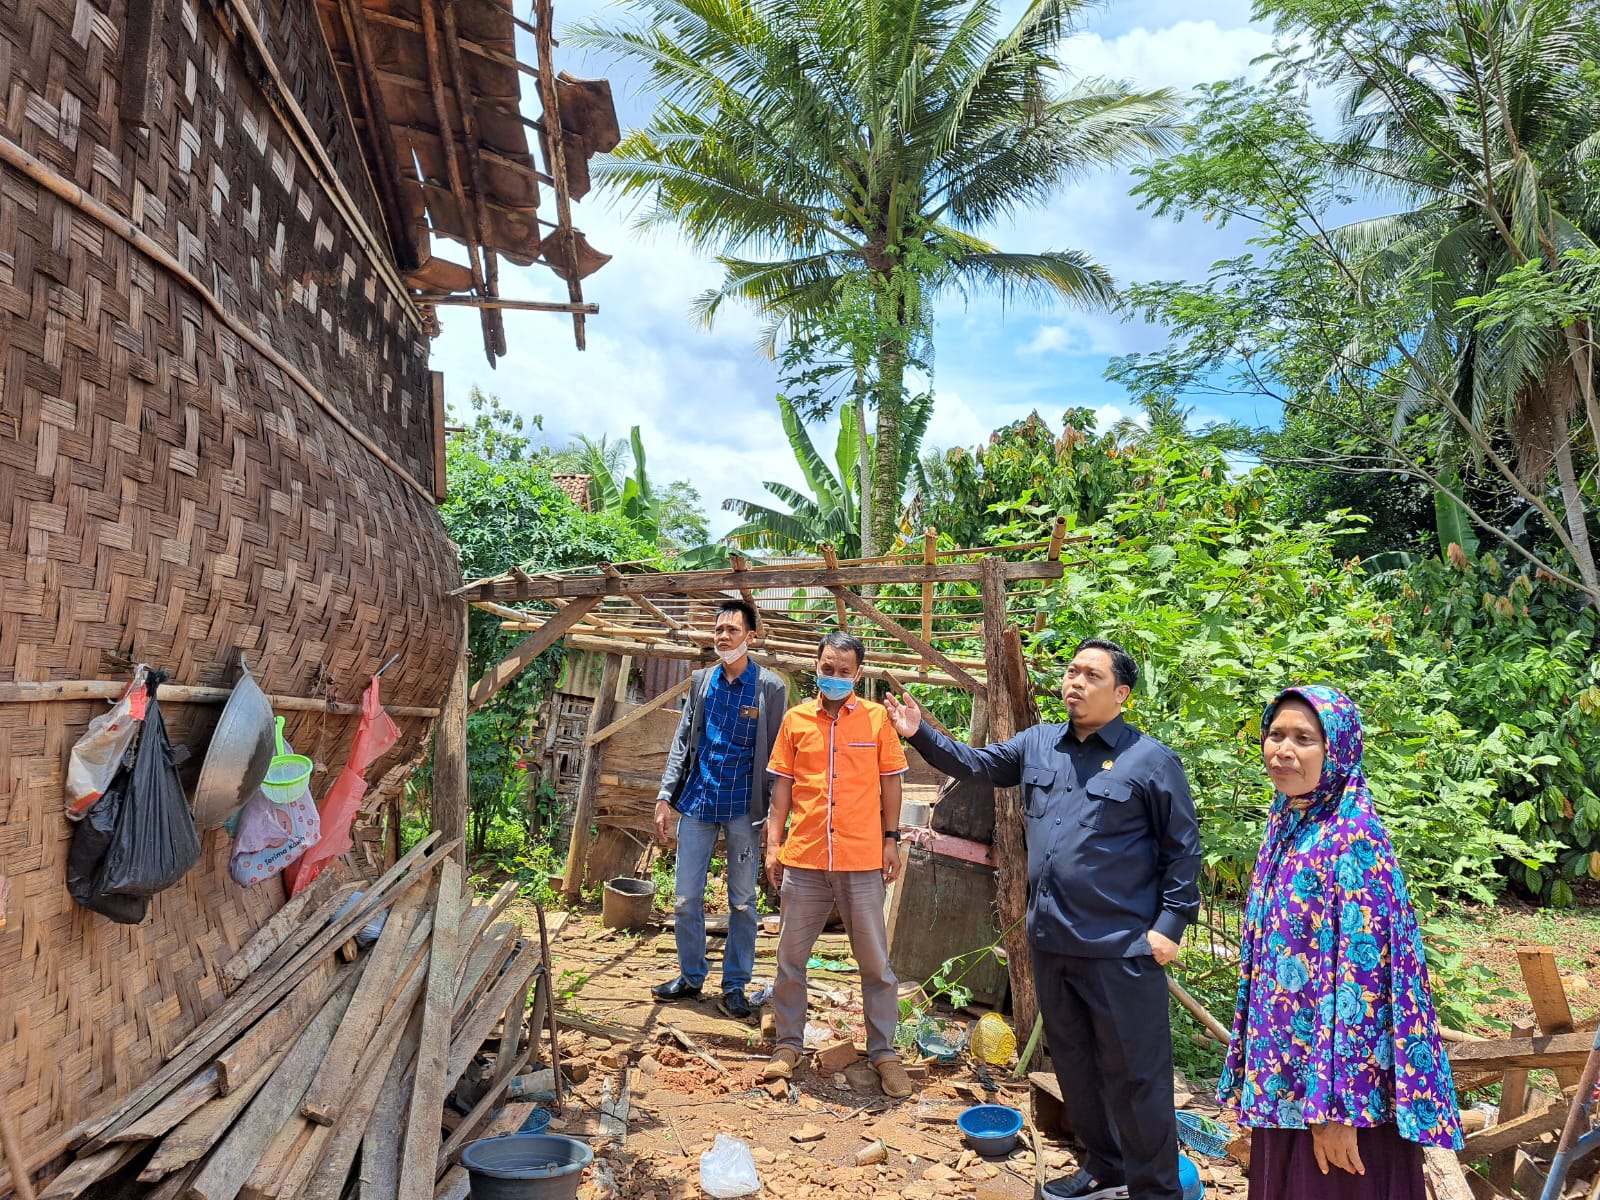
(734, 655)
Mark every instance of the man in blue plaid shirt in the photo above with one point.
(716, 783)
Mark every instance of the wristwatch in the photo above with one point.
(892, 834)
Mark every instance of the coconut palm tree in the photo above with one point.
(830, 513)
(1483, 118)
(811, 144)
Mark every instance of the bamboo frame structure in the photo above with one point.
(623, 612)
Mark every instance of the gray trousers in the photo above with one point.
(807, 898)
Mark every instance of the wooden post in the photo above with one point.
(1513, 1103)
(1011, 855)
(450, 790)
(830, 558)
(1550, 1009)
(605, 703)
(930, 546)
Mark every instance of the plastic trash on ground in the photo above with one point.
(728, 1169)
(100, 751)
(993, 1041)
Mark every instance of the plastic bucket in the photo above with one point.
(626, 903)
(1189, 1179)
(526, 1166)
(990, 1129)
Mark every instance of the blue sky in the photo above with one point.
(704, 400)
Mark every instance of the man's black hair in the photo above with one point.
(744, 608)
(1122, 664)
(840, 640)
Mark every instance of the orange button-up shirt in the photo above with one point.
(836, 816)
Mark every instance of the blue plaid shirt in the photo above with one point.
(724, 770)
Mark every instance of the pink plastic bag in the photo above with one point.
(376, 735)
(100, 751)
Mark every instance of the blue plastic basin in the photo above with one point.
(990, 1129)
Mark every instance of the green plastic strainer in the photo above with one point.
(287, 775)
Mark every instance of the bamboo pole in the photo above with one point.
(451, 791)
(650, 635)
(777, 662)
(930, 546)
(556, 155)
(66, 690)
(466, 104)
(458, 190)
(1011, 855)
(550, 306)
(531, 647)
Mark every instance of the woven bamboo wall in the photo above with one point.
(168, 494)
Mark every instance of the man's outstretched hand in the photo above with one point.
(904, 714)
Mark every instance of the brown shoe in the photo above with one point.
(783, 1064)
(892, 1075)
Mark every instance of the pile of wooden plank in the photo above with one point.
(326, 1071)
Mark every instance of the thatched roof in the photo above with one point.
(435, 89)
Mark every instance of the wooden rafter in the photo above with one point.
(535, 644)
(930, 652)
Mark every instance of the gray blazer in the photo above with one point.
(772, 697)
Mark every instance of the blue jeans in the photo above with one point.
(696, 840)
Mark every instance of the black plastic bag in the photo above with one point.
(155, 841)
(91, 836)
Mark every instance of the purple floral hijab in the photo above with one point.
(1334, 1020)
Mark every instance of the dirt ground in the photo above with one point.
(804, 1138)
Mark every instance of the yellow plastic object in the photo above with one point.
(993, 1041)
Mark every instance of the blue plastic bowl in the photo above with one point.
(990, 1129)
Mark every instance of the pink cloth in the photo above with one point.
(376, 735)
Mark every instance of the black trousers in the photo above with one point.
(1111, 1041)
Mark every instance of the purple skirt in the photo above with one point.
(1283, 1166)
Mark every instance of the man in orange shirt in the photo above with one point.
(832, 840)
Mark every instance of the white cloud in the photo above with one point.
(704, 400)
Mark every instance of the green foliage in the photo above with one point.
(831, 514)
(1025, 477)
(505, 509)
(1524, 668)
(1224, 605)
(1447, 342)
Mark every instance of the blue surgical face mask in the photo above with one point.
(833, 687)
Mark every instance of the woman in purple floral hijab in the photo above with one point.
(1335, 1060)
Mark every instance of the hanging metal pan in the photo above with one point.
(241, 750)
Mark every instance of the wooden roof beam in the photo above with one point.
(489, 54)
(532, 646)
(757, 579)
(784, 662)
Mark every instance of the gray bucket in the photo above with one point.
(526, 1166)
(626, 903)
